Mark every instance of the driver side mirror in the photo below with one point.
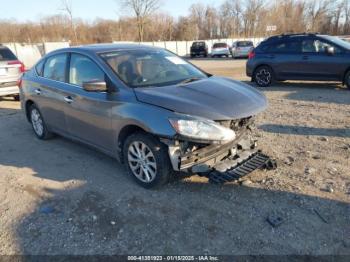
(330, 50)
(95, 86)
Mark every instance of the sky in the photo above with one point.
(86, 9)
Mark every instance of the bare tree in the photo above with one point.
(317, 11)
(142, 9)
(67, 8)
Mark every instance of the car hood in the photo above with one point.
(214, 98)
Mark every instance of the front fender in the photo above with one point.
(152, 119)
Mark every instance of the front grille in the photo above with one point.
(237, 125)
(255, 161)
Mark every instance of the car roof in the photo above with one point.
(104, 48)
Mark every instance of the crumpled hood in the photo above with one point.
(214, 98)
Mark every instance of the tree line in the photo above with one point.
(231, 19)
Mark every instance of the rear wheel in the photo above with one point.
(263, 76)
(38, 123)
(347, 80)
(16, 97)
(147, 160)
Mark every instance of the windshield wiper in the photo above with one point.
(189, 80)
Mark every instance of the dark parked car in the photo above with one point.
(199, 49)
(300, 57)
(147, 107)
(11, 70)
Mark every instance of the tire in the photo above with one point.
(263, 76)
(16, 97)
(156, 170)
(38, 123)
(347, 80)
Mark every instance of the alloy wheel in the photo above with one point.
(263, 77)
(37, 122)
(142, 162)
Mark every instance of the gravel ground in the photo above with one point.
(59, 197)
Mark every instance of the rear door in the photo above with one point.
(284, 57)
(88, 114)
(318, 64)
(48, 91)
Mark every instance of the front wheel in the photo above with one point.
(347, 80)
(147, 160)
(263, 76)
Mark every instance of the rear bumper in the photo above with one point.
(9, 90)
(198, 52)
(249, 69)
(240, 54)
(220, 53)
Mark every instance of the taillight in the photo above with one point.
(251, 54)
(19, 83)
(17, 62)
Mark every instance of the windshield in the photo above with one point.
(244, 44)
(338, 41)
(140, 68)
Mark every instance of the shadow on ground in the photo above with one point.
(108, 214)
(311, 92)
(305, 131)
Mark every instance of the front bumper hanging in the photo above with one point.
(231, 170)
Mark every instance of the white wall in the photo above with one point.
(182, 48)
(29, 54)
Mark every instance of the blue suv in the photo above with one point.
(300, 57)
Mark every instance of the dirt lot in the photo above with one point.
(59, 197)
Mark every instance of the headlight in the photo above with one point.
(202, 129)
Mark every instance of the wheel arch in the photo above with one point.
(28, 104)
(124, 133)
(345, 73)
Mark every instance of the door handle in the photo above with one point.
(305, 57)
(68, 99)
(37, 91)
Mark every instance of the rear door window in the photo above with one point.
(6, 55)
(55, 67)
(284, 47)
(83, 69)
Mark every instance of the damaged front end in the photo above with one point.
(220, 162)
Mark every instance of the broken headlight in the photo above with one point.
(202, 129)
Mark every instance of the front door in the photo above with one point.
(88, 114)
(317, 63)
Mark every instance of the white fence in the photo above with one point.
(29, 54)
(182, 48)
